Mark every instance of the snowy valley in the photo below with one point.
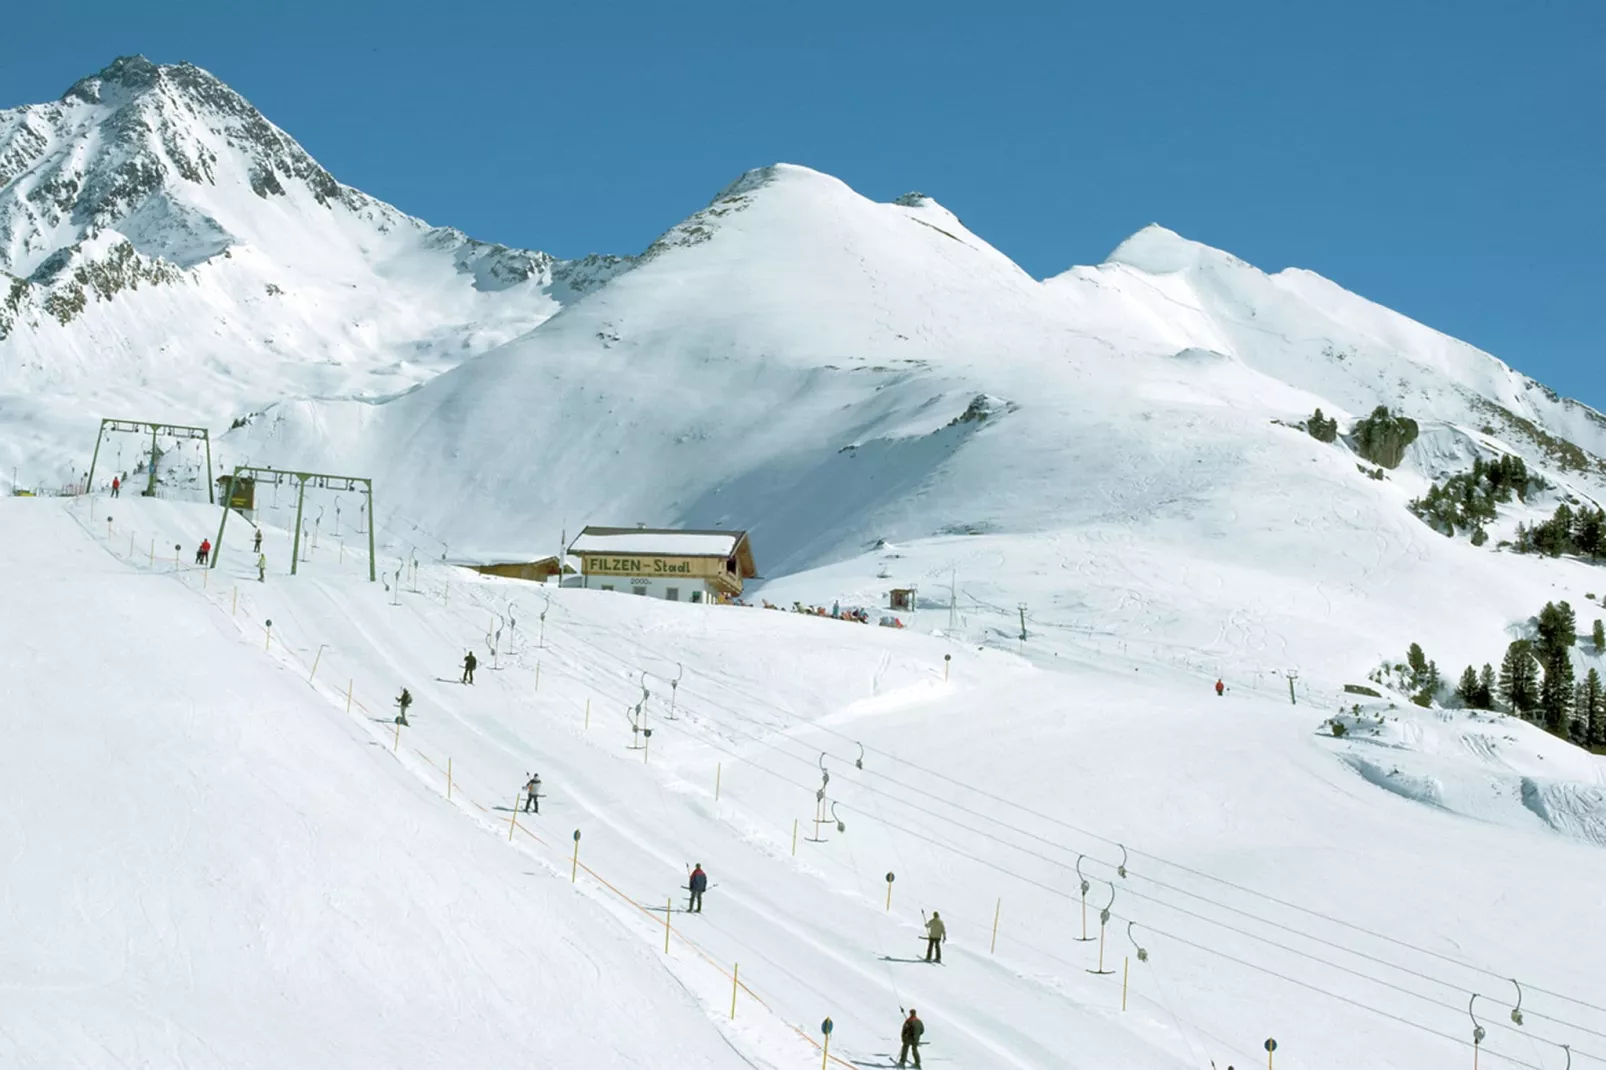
(1109, 490)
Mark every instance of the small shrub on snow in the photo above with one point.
(1322, 428)
(1382, 439)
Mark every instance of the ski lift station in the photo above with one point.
(680, 566)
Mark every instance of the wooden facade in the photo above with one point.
(667, 563)
(538, 571)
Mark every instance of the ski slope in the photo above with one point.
(1270, 882)
(203, 867)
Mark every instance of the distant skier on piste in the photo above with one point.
(203, 551)
(256, 543)
(262, 568)
(404, 700)
(117, 485)
(532, 794)
(697, 885)
(1220, 688)
(469, 662)
(913, 1030)
(936, 933)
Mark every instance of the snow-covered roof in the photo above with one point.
(666, 541)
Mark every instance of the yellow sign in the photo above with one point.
(638, 566)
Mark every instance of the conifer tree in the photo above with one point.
(1598, 634)
(1418, 662)
(1594, 710)
(1589, 532)
(1486, 688)
(1558, 628)
(1556, 693)
(1516, 687)
(1466, 688)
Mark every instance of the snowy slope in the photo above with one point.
(165, 249)
(204, 868)
(1353, 924)
(1112, 447)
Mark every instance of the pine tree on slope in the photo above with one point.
(1418, 662)
(1486, 688)
(1594, 710)
(1516, 686)
(1466, 688)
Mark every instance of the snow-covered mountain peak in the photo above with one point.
(1158, 250)
(153, 195)
(127, 77)
(155, 151)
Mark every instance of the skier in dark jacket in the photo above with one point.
(469, 662)
(403, 701)
(913, 1030)
(697, 885)
(256, 542)
(532, 794)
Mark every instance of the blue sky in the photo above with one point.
(1446, 159)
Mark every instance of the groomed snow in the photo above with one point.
(1353, 925)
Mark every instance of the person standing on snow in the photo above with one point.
(203, 551)
(697, 886)
(1220, 687)
(117, 485)
(262, 567)
(936, 933)
(913, 1030)
(532, 794)
(469, 662)
(403, 701)
(256, 543)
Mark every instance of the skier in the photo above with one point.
(404, 700)
(913, 1030)
(697, 886)
(256, 543)
(469, 662)
(936, 933)
(532, 794)
(1220, 687)
(203, 551)
(117, 485)
(262, 567)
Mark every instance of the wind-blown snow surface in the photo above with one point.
(265, 833)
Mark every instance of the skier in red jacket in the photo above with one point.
(1220, 687)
